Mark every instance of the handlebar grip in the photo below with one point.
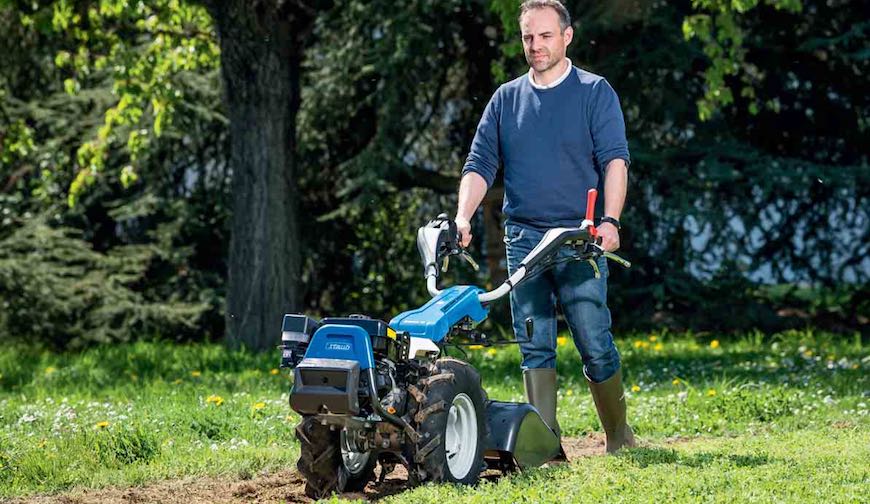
(591, 196)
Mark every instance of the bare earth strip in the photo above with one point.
(282, 486)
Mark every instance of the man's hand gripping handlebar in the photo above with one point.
(436, 242)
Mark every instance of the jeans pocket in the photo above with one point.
(512, 234)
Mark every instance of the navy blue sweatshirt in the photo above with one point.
(554, 145)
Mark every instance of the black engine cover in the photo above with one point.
(325, 386)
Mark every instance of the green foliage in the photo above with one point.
(387, 100)
(178, 211)
(719, 30)
(142, 47)
(118, 447)
(391, 96)
(717, 207)
(17, 142)
(57, 290)
(511, 47)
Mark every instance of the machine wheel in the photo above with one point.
(359, 468)
(320, 459)
(451, 421)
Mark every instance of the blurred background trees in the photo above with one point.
(136, 139)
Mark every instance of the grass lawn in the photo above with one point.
(781, 417)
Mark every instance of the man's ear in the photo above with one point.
(569, 35)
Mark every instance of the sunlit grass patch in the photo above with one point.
(128, 414)
(811, 466)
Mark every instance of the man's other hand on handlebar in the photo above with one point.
(463, 227)
(609, 236)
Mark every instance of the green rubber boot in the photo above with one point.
(609, 398)
(541, 393)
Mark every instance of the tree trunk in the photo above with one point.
(261, 51)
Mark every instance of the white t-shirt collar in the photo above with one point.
(555, 82)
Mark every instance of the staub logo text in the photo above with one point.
(338, 346)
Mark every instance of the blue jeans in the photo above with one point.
(583, 299)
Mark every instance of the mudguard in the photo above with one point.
(518, 434)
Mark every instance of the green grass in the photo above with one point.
(781, 417)
(806, 466)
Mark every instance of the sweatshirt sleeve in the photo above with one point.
(608, 126)
(483, 157)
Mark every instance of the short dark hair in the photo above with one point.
(564, 17)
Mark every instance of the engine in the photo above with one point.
(338, 386)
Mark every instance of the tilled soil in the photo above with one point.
(281, 486)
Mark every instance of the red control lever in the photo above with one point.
(591, 195)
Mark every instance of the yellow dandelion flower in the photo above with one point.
(102, 425)
(214, 399)
(491, 352)
(475, 347)
(711, 392)
(562, 340)
(659, 347)
(644, 344)
(258, 406)
(289, 418)
(676, 382)
(855, 366)
(714, 344)
(49, 370)
(274, 371)
(569, 392)
(196, 374)
(653, 338)
(808, 353)
(635, 388)
(638, 343)
(177, 382)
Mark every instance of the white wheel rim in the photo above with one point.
(353, 461)
(460, 440)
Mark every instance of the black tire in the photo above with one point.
(449, 378)
(319, 458)
(321, 463)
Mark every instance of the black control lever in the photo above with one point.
(436, 242)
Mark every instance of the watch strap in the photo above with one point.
(612, 220)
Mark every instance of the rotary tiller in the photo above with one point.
(371, 392)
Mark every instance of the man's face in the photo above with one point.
(544, 43)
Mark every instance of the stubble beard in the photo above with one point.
(542, 66)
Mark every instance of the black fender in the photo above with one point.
(518, 436)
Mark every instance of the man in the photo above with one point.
(558, 131)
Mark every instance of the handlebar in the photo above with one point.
(438, 240)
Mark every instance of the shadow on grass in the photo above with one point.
(645, 457)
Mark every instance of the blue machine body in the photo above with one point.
(338, 341)
(434, 319)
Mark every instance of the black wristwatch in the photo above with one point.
(611, 220)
